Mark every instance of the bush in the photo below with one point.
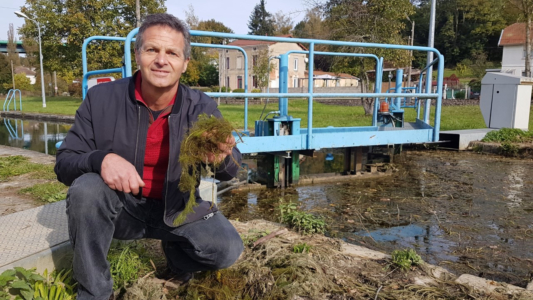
(215, 89)
(508, 135)
(238, 90)
(74, 90)
(256, 91)
(460, 95)
(201, 88)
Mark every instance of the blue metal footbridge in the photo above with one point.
(282, 135)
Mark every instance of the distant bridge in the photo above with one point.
(3, 47)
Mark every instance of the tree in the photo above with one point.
(282, 23)
(464, 27)
(5, 73)
(372, 21)
(12, 54)
(526, 13)
(22, 83)
(262, 68)
(261, 21)
(312, 26)
(32, 53)
(66, 24)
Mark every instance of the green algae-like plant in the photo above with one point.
(202, 140)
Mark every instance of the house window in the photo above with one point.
(227, 63)
(239, 82)
(295, 81)
(295, 64)
(239, 62)
(254, 81)
(227, 83)
(254, 60)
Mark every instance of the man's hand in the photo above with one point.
(226, 149)
(119, 174)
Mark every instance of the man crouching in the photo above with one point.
(121, 161)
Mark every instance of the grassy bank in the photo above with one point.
(453, 117)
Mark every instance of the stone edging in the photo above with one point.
(68, 119)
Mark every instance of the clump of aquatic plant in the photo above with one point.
(404, 259)
(202, 140)
(304, 223)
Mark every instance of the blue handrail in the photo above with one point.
(439, 60)
(12, 95)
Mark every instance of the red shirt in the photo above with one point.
(157, 149)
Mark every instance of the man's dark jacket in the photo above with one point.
(111, 120)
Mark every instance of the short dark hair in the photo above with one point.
(165, 20)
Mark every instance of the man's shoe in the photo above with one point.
(180, 278)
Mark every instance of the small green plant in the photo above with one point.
(256, 91)
(404, 259)
(303, 222)
(509, 149)
(55, 286)
(19, 283)
(301, 248)
(126, 263)
(238, 91)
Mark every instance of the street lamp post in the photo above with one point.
(411, 51)
(22, 15)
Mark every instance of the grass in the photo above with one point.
(60, 105)
(46, 192)
(51, 191)
(11, 166)
(453, 117)
(127, 262)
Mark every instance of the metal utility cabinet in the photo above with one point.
(505, 100)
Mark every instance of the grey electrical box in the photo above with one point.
(505, 100)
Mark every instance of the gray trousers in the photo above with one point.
(97, 214)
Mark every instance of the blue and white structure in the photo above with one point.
(282, 135)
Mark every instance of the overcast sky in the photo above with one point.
(233, 13)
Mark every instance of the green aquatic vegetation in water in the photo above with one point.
(202, 140)
(304, 223)
(47, 192)
(511, 135)
(404, 259)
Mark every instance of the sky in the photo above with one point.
(235, 14)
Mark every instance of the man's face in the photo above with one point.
(161, 57)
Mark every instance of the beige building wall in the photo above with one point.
(332, 82)
(231, 70)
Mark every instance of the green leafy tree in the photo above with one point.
(261, 21)
(22, 83)
(464, 27)
(371, 21)
(262, 68)
(66, 24)
(202, 69)
(5, 74)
